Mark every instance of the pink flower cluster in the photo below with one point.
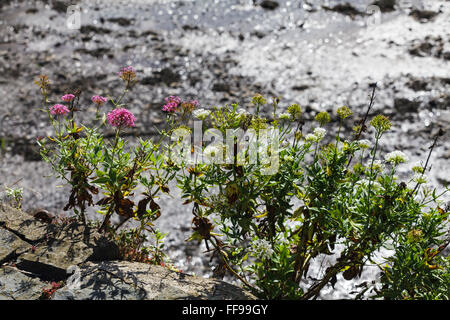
(171, 105)
(99, 100)
(59, 110)
(68, 97)
(48, 293)
(121, 118)
(173, 99)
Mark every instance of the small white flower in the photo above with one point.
(288, 158)
(320, 133)
(365, 183)
(262, 248)
(396, 157)
(201, 114)
(241, 111)
(284, 116)
(364, 144)
(311, 137)
(211, 152)
(316, 136)
(11, 192)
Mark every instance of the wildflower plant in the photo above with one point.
(268, 201)
(267, 228)
(14, 196)
(106, 174)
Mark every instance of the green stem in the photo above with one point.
(371, 172)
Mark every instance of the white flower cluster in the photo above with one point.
(212, 152)
(242, 114)
(396, 157)
(241, 111)
(364, 144)
(365, 183)
(288, 158)
(262, 248)
(201, 114)
(317, 135)
(284, 116)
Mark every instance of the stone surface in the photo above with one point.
(11, 245)
(39, 256)
(385, 5)
(133, 280)
(22, 223)
(269, 4)
(70, 246)
(15, 285)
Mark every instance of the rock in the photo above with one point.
(345, 9)
(29, 151)
(187, 27)
(385, 5)
(22, 224)
(124, 22)
(43, 216)
(259, 34)
(31, 11)
(269, 4)
(417, 85)
(300, 87)
(423, 15)
(15, 285)
(404, 105)
(97, 53)
(95, 30)
(221, 87)
(72, 245)
(123, 280)
(430, 46)
(11, 245)
(59, 6)
(166, 76)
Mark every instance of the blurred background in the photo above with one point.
(319, 54)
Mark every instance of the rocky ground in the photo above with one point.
(320, 54)
(69, 261)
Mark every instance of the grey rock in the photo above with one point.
(221, 87)
(166, 76)
(15, 285)
(423, 15)
(404, 105)
(124, 22)
(11, 245)
(21, 223)
(269, 4)
(385, 5)
(123, 280)
(72, 245)
(345, 9)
